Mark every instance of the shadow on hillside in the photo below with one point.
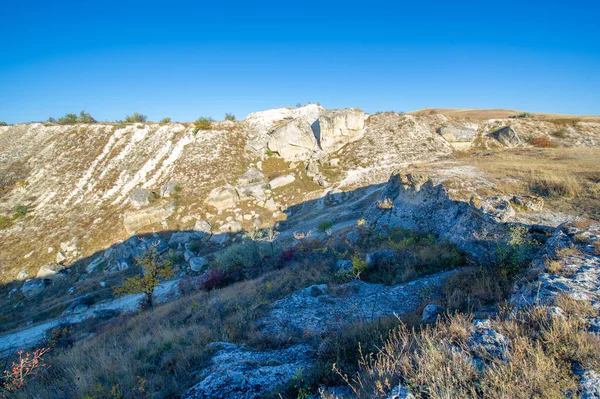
(77, 283)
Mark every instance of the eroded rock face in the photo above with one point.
(339, 127)
(50, 271)
(236, 372)
(282, 181)
(223, 198)
(33, 287)
(135, 220)
(140, 197)
(293, 141)
(460, 137)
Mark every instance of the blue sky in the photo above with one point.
(190, 59)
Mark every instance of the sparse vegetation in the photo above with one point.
(324, 225)
(522, 115)
(72, 119)
(165, 120)
(5, 222)
(152, 268)
(20, 211)
(561, 133)
(202, 124)
(385, 204)
(3, 123)
(135, 117)
(229, 117)
(541, 142)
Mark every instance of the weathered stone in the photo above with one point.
(344, 265)
(507, 136)
(140, 197)
(529, 202)
(486, 341)
(294, 140)
(340, 127)
(60, 257)
(282, 181)
(235, 372)
(431, 313)
(33, 287)
(182, 237)
(399, 392)
(251, 176)
(93, 265)
(223, 198)
(51, 271)
(137, 219)
(460, 137)
(202, 226)
(23, 274)
(255, 191)
(198, 263)
(187, 255)
(170, 189)
(271, 205)
(590, 385)
(231, 227)
(380, 258)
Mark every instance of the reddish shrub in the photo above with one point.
(214, 279)
(27, 365)
(287, 254)
(541, 141)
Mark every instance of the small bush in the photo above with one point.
(324, 225)
(541, 142)
(240, 261)
(561, 133)
(202, 124)
(136, 117)
(3, 123)
(522, 115)
(20, 211)
(68, 119)
(230, 117)
(165, 120)
(385, 204)
(85, 117)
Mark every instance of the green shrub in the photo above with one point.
(165, 120)
(240, 261)
(229, 117)
(68, 119)
(324, 225)
(561, 133)
(20, 211)
(522, 115)
(85, 117)
(136, 117)
(3, 123)
(202, 124)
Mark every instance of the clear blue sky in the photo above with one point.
(189, 59)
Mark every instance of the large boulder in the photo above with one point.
(223, 198)
(253, 191)
(507, 136)
(202, 226)
(251, 176)
(236, 372)
(198, 263)
(33, 287)
(140, 197)
(135, 220)
(294, 140)
(170, 189)
(459, 137)
(340, 127)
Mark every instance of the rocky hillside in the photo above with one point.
(288, 231)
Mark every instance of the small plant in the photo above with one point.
(359, 265)
(153, 268)
(522, 115)
(68, 119)
(561, 133)
(20, 211)
(85, 117)
(324, 225)
(202, 124)
(385, 204)
(136, 117)
(165, 120)
(29, 364)
(3, 123)
(229, 117)
(541, 142)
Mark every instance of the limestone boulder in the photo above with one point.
(282, 181)
(507, 137)
(33, 287)
(340, 127)
(135, 220)
(223, 198)
(140, 197)
(293, 141)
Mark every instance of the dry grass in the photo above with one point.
(568, 178)
(434, 363)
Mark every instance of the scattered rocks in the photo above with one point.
(590, 385)
(23, 274)
(51, 271)
(529, 202)
(431, 313)
(399, 392)
(231, 227)
(170, 189)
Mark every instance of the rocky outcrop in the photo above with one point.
(293, 141)
(507, 136)
(135, 220)
(340, 127)
(461, 137)
(140, 197)
(237, 372)
(281, 181)
(316, 310)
